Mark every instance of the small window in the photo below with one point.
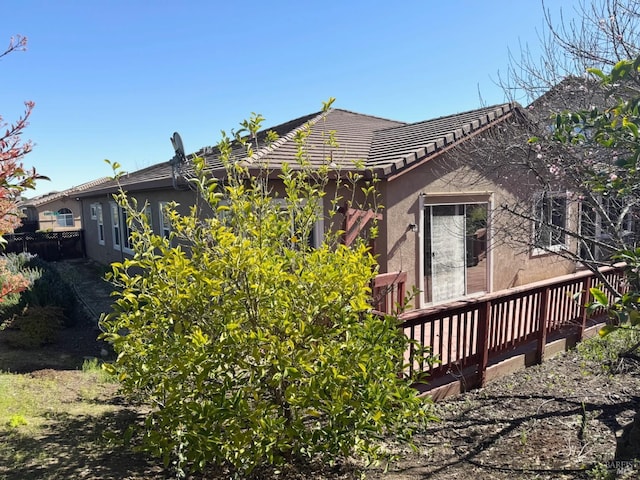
(100, 221)
(65, 217)
(93, 211)
(313, 233)
(550, 222)
(165, 224)
(115, 226)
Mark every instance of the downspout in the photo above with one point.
(420, 246)
(490, 243)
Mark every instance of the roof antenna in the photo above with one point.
(178, 159)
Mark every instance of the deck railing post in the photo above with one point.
(542, 324)
(482, 347)
(583, 306)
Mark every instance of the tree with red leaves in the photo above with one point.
(14, 177)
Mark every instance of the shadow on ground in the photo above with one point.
(78, 447)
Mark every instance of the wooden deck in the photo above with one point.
(475, 331)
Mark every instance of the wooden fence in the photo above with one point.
(473, 333)
(50, 246)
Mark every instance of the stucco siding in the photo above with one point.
(440, 181)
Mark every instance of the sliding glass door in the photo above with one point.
(455, 242)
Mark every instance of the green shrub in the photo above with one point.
(14, 269)
(253, 347)
(606, 349)
(48, 289)
(95, 367)
(34, 327)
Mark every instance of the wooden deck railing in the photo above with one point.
(476, 331)
(389, 291)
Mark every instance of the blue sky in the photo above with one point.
(114, 79)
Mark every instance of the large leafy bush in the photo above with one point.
(253, 347)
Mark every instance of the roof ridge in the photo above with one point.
(377, 117)
(287, 137)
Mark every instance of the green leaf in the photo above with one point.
(599, 296)
(597, 72)
(607, 329)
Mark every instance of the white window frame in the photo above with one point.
(116, 234)
(99, 222)
(163, 222)
(539, 198)
(65, 219)
(120, 231)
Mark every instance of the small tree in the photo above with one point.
(616, 131)
(14, 178)
(616, 174)
(548, 179)
(253, 347)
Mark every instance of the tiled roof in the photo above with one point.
(352, 132)
(386, 146)
(155, 176)
(52, 196)
(393, 149)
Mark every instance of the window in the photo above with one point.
(165, 225)
(100, 221)
(65, 217)
(115, 226)
(126, 231)
(122, 227)
(148, 215)
(121, 232)
(550, 222)
(93, 211)
(605, 221)
(300, 227)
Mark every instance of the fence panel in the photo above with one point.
(50, 246)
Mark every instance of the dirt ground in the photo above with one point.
(558, 420)
(551, 421)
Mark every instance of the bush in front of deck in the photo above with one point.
(253, 347)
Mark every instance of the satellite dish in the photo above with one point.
(176, 141)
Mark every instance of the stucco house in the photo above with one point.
(55, 211)
(438, 230)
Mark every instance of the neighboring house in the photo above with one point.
(55, 211)
(436, 226)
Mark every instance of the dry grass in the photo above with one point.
(61, 424)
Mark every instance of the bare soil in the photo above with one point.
(558, 420)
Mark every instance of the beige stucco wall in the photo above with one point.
(49, 222)
(398, 248)
(107, 253)
(510, 263)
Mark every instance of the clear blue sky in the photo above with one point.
(114, 79)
